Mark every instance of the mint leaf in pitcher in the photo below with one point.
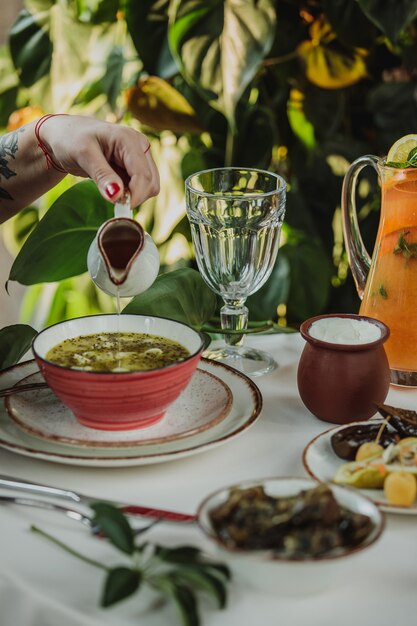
(408, 250)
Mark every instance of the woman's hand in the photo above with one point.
(113, 155)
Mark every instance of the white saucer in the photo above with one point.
(245, 408)
(205, 402)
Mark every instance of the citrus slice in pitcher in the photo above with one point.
(400, 150)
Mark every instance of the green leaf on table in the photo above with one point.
(181, 295)
(181, 554)
(57, 248)
(121, 582)
(114, 525)
(15, 341)
(204, 580)
(182, 595)
(203, 38)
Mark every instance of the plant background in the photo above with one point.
(299, 87)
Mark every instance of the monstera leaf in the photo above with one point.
(15, 341)
(57, 248)
(219, 46)
(328, 63)
(181, 295)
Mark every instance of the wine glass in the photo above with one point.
(236, 216)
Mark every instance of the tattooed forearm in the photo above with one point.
(9, 145)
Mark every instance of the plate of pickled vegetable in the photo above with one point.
(378, 457)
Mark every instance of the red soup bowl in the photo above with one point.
(118, 400)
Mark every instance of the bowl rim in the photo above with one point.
(135, 372)
(269, 555)
(345, 347)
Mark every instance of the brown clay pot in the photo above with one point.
(341, 383)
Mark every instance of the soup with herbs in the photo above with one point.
(117, 352)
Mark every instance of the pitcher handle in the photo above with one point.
(359, 259)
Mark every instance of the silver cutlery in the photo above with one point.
(73, 514)
(9, 391)
(9, 482)
(42, 504)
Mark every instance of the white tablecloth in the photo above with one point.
(40, 585)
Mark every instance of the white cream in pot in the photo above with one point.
(344, 330)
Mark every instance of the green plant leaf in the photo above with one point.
(147, 22)
(23, 223)
(219, 46)
(109, 83)
(9, 86)
(349, 22)
(114, 526)
(393, 111)
(30, 46)
(57, 248)
(202, 579)
(96, 11)
(121, 582)
(180, 554)
(255, 139)
(391, 17)
(181, 295)
(310, 274)
(15, 341)
(263, 304)
(183, 597)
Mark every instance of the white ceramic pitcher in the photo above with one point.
(123, 260)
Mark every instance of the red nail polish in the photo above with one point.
(112, 189)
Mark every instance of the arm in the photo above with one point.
(114, 156)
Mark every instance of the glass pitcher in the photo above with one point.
(387, 284)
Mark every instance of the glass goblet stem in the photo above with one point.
(234, 316)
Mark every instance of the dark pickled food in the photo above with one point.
(309, 524)
(346, 441)
(403, 420)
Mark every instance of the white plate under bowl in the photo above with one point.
(203, 404)
(322, 463)
(245, 408)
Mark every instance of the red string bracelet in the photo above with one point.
(147, 149)
(49, 160)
